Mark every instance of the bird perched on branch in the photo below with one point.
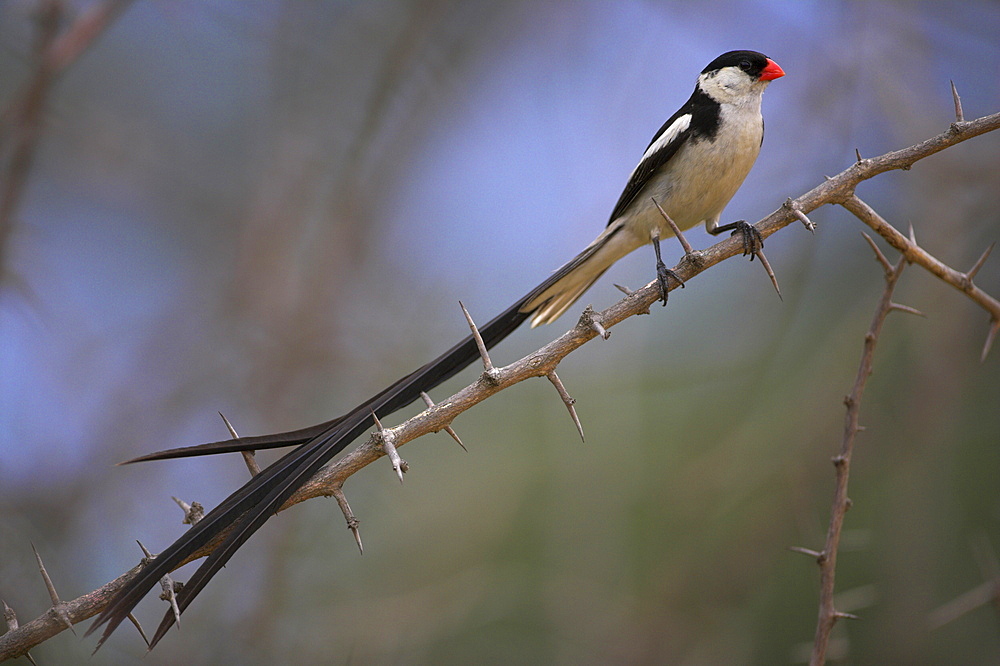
(691, 168)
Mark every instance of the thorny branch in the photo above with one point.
(827, 559)
(543, 362)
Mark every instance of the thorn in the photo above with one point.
(815, 554)
(770, 273)
(448, 429)
(990, 337)
(800, 216)
(169, 593)
(58, 608)
(487, 363)
(9, 616)
(193, 512)
(959, 116)
(629, 292)
(229, 426)
(907, 309)
(248, 456)
(568, 400)
(387, 437)
(674, 228)
(846, 616)
(147, 556)
(352, 522)
(886, 266)
(858, 154)
(590, 320)
(913, 235)
(138, 626)
(53, 596)
(979, 263)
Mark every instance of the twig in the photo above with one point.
(828, 615)
(917, 255)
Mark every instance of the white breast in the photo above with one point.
(702, 177)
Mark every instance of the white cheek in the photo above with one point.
(726, 84)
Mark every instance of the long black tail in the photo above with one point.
(242, 513)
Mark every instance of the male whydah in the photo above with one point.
(692, 168)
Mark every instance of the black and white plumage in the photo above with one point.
(692, 167)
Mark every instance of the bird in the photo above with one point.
(691, 169)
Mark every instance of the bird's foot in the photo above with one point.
(662, 274)
(753, 242)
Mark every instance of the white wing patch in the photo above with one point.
(668, 136)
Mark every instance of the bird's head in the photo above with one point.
(738, 74)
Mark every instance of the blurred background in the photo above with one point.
(272, 209)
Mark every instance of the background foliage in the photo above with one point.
(272, 208)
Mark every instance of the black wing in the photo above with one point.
(697, 118)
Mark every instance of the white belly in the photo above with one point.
(702, 178)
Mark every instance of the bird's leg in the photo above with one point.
(662, 272)
(753, 242)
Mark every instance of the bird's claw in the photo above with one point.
(662, 274)
(753, 242)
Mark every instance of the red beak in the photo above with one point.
(771, 71)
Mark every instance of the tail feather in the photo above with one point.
(241, 514)
(252, 443)
(564, 287)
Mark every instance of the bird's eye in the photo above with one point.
(745, 65)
